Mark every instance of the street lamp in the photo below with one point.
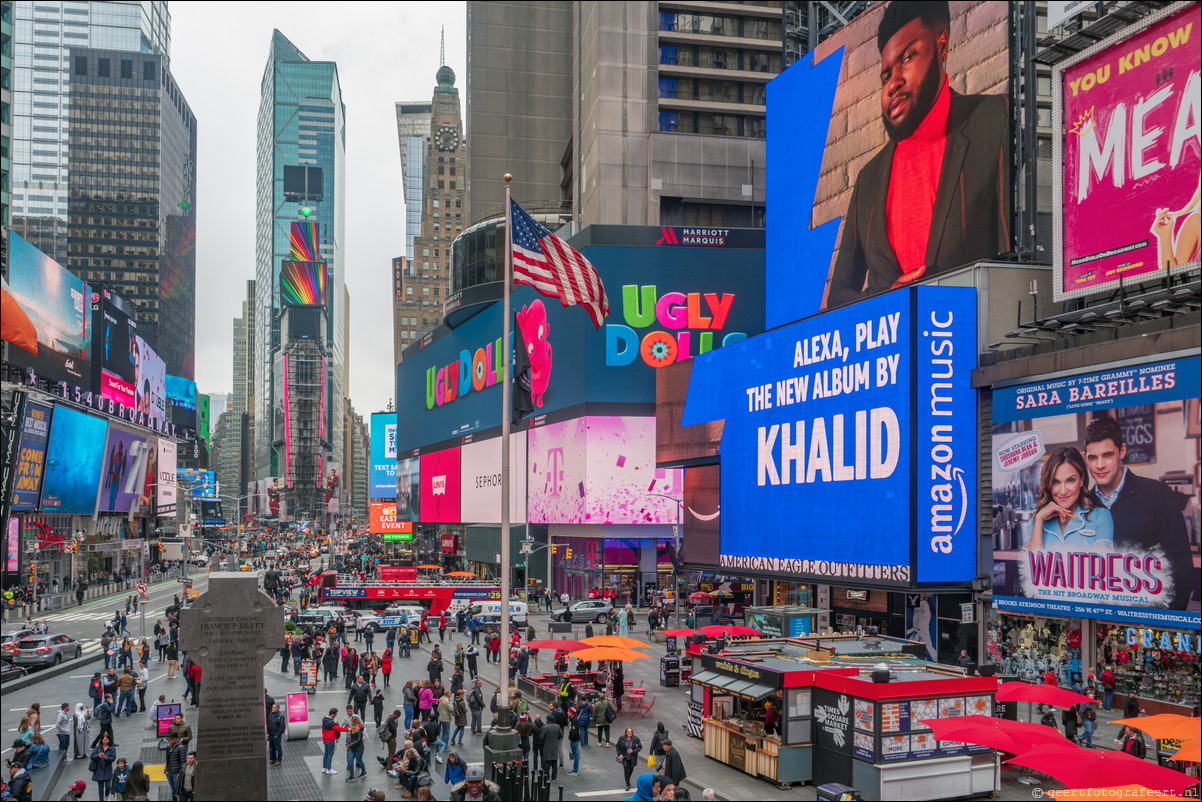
(676, 545)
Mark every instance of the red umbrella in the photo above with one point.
(699, 596)
(1015, 737)
(716, 630)
(557, 645)
(679, 633)
(1040, 694)
(1100, 768)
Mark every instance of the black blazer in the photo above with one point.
(971, 219)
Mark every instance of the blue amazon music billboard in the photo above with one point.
(849, 448)
(667, 303)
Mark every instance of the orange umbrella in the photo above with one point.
(430, 567)
(460, 573)
(1190, 752)
(608, 653)
(1114, 792)
(616, 641)
(1166, 725)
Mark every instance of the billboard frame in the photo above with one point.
(1059, 293)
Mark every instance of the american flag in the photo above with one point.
(554, 268)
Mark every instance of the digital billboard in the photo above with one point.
(408, 489)
(908, 101)
(850, 441)
(181, 393)
(303, 283)
(123, 470)
(150, 391)
(333, 487)
(115, 348)
(599, 470)
(383, 455)
(440, 486)
(384, 521)
(165, 470)
(675, 302)
(74, 458)
(1095, 494)
(480, 480)
(56, 303)
(31, 455)
(1126, 198)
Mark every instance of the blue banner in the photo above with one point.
(383, 455)
(831, 421)
(1174, 619)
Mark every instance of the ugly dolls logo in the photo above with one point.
(686, 324)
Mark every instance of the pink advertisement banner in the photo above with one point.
(440, 487)
(1132, 151)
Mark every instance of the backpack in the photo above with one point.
(382, 732)
(610, 715)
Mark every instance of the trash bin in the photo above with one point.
(835, 791)
(669, 670)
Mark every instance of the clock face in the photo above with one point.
(446, 138)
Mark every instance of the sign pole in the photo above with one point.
(506, 579)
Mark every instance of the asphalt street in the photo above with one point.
(300, 776)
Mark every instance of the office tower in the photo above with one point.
(44, 33)
(218, 404)
(594, 119)
(301, 125)
(6, 101)
(426, 282)
(413, 133)
(131, 197)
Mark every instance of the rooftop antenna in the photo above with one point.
(442, 47)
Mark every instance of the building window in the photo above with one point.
(81, 65)
(667, 88)
(127, 68)
(148, 71)
(667, 120)
(102, 67)
(667, 55)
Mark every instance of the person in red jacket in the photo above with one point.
(423, 629)
(442, 626)
(386, 666)
(494, 648)
(329, 738)
(194, 675)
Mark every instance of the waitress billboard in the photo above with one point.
(1127, 183)
(1095, 494)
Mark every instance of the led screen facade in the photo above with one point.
(1126, 183)
(480, 480)
(408, 489)
(181, 393)
(384, 521)
(31, 455)
(165, 492)
(150, 391)
(121, 476)
(56, 302)
(303, 283)
(668, 303)
(440, 486)
(845, 134)
(73, 464)
(1060, 445)
(114, 347)
(849, 447)
(383, 455)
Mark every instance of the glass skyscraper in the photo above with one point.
(301, 122)
(44, 33)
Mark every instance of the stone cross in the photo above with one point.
(231, 631)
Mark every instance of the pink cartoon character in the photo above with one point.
(532, 321)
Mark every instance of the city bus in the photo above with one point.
(435, 595)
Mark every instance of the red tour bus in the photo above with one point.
(435, 595)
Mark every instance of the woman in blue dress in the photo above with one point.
(1068, 516)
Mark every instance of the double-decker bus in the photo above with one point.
(403, 589)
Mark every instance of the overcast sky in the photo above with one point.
(386, 52)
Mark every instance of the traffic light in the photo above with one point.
(554, 549)
(568, 553)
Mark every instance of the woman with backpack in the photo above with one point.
(604, 714)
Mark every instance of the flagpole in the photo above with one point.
(506, 415)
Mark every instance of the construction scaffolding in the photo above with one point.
(304, 371)
(808, 23)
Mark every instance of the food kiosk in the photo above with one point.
(781, 621)
(844, 711)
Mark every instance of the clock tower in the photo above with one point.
(425, 279)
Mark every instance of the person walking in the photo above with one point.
(277, 725)
(425, 700)
(64, 723)
(377, 707)
(586, 719)
(1108, 683)
(329, 665)
(603, 714)
(574, 740)
(456, 769)
(96, 691)
(673, 766)
(409, 703)
(1089, 722)
(459, 710)
(446, 714)
(104, 715)
(187, 782)
(392, 725)
(628, 748)
(470, 654)
(143, 680)
(174, 762)
(194, 674)
(81, 724)
(359, 696)
(386, 664)
(105, 755)
(434, 669)
(329, 739)
(137, 784)
(552, 734)
(181, 730)
(172, 653)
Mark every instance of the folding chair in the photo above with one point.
(646, 708)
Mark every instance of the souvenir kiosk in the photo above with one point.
(791, 710)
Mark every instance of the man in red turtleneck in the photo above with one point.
(937, 195)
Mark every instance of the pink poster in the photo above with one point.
(440, 487)
(555, 484)
(298, 708)
(1129, 189)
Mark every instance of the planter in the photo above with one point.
(660, 636)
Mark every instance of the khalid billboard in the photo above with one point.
(31, 455)
(908, 101)
(383, 455)
(1126, 186)
(865, 419)
(1095, 494)
(668, 304)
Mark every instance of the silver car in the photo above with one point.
(46, 650)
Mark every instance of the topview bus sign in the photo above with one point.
(850, 434)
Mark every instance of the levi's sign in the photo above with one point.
(865, 417)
